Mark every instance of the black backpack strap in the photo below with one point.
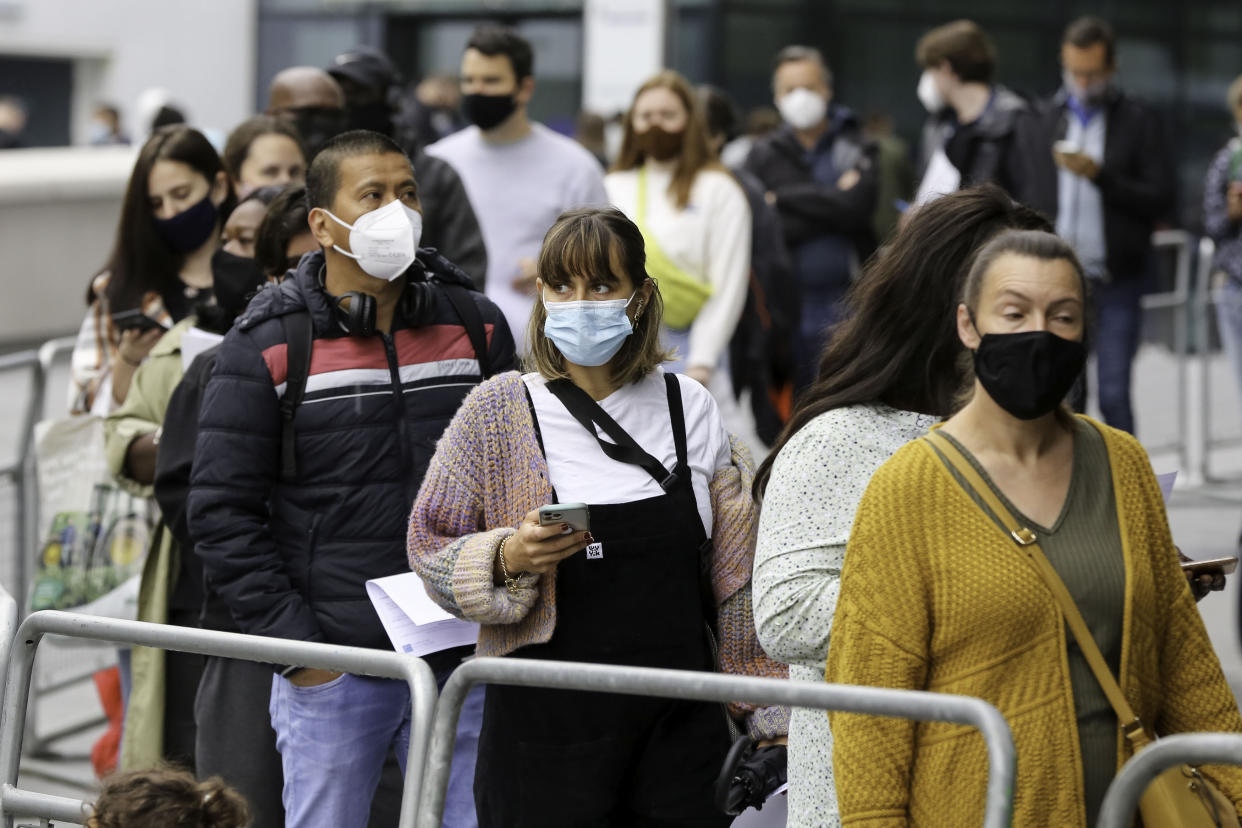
(623, 448)
(299, 336)
(472, 321)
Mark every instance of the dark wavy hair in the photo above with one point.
(285, 219)
(141, 260)
(898, 344)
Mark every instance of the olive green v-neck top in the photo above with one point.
(1084, 547)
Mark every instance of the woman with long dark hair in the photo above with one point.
(889, 371)
(177, 200)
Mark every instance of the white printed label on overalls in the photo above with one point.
(595, 551)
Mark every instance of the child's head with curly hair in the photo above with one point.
(166, 797)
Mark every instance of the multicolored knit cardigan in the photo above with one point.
(488, 472)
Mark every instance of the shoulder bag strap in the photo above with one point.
(1025, 538)
(623, 449)
(299, 339)
(472, 321)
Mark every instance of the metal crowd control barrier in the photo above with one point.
(8, 628)
(713, 687)
(15, 801)
(1122, 798)
(25, 524)
(1202, 441)
(1177, 301)
(17, 473)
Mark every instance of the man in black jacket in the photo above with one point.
(973, 134)
(820, 176)
(288, 539)
(372, 85)
(1106, 176)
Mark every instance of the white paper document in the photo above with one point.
(193, 342)
(1166, 482)
(416, 624)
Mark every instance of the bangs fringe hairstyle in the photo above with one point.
(141, 260)
(1043, 245)
(696, 152)
(586, 243)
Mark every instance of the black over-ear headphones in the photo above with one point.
(356, 311)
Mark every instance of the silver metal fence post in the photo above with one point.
(1200, 426)
(19, 471)
(356, 660)
(714, 687)
(1177, 301)
(1127, 788)
(8, 629)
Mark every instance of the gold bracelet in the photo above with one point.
(511, 584)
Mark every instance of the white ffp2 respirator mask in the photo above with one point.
(929, 93)
(383, 242)
(802, 108)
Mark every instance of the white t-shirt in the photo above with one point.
(582, 473)
(517, 190)
(709, 238)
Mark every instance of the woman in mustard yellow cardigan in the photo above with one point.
(935, 595)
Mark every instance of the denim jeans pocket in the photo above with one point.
(311, 689)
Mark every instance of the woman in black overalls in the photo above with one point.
(642, 587)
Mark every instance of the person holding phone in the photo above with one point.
(596, 422)
(940, 591)
(175, 205)
(1104, 173)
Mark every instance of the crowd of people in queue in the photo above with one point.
(424, 330)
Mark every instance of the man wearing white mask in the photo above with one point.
(973, 131)
(820, 175)
(1106, 177)
(316, 428)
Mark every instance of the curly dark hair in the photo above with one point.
(166, 797)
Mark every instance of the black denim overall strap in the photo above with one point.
(624, 449)
(549, 757)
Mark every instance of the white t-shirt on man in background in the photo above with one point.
(517, 191)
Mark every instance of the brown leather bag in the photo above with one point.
(1181, 797)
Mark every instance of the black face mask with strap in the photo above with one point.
(1028, 373)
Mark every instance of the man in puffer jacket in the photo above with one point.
(289, 541)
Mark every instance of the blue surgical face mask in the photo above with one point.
(588, 332)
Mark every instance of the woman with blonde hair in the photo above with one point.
(649, 545)
(694, 219)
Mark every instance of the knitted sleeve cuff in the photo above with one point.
(474, 587)
(768, 723)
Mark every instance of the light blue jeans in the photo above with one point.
(332, 740)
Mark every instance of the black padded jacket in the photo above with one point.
(290, 559)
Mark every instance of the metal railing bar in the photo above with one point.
(1122, 798)
(18, 802)
(714, 687)
(356, 660)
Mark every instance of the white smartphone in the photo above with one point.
(1066, 148)
(577, 515)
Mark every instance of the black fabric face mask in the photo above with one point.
(234, 279)
(190, 228)
(1029, 373)
(487, 111)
